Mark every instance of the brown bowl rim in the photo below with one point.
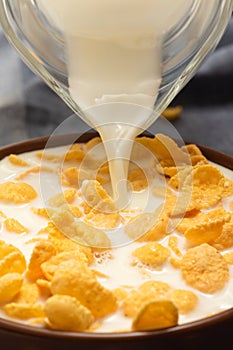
(21, 328)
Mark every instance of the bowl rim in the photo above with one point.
(39, 143)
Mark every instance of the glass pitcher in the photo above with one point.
(39, 35)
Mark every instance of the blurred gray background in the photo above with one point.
(28, 108)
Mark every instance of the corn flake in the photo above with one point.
(185, 300)
(13, 225)
(225, 239)
(172, 113)
(97, 198)
(138, 179)
(63, 244)
(50, 266)
(44, 212)
(62, 198)
(120, 293)
(229, 258)
(28, 294)
(17, 192)
(16, 160)
(141, 224)
(10, 285)
(42, 252)
(156, 315)
(75, 153)
(204, 233)
(93, 142)
(66, 313)
(102, 220)
(80, 232)
(173, 244)
(80, 283)
(24, 311)
(13, 262)
(155, 288)
(204, 268)
(152, 254)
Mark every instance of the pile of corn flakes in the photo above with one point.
(57, 286)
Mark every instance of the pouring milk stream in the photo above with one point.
(114, 56)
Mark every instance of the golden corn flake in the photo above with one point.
(54, 158)
(191, 219)
(102, 220)
(192, 149)
(75, 153)
(231, 205)
(72, 175)
(76, 211)
(44, 287)
(10, 285)
(63, 244)
(120, 293)
(80, 231)
(204, 268)
(205, 232)
(172, 113)
(175, 262)
(185, 300)
(229, 258)
(93, 142)
(62, 198)
(44, 212)
(195, 217)
(227, 188)
(90, 236)
(97, 198)
(11, 259)
(16, 160)
(208, 185)
(2, 215)
(142, 224)
(80, 283)
(132, 303)
(178, 205)
(152, 254)
(158, 230)
(50, 266)
(33, 170)
(17, 192)
(24, 311)
(225, 239)
(104, 169)
(173, 244)
(156, 315)
(28, 294)
(155, 288)
(198, 160)
(66, 313)
(6, 248)
(177, 181)
(138, 179)
(164, 148)
(42, 252)
(13, 225)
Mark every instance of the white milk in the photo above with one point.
(114, 56)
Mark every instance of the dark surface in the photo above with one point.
(28, 108)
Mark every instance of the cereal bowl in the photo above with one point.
(205, 332)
